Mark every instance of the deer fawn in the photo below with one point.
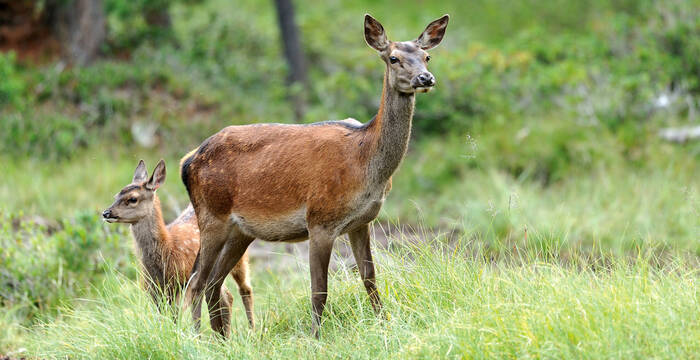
(279, 182)
(168, 252)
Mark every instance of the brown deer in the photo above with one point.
(278, 182)
(168, 252)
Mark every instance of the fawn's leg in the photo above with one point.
(225, 304)
(241, 275)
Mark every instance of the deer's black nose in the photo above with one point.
(107, 214)
(426, 79)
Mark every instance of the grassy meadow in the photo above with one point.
(553, 222)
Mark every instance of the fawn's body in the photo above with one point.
(167, 252)
(279, 182)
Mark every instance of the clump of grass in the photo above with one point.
(440, 301)
(121, 322)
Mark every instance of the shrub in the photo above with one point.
(13, 86)
(42, 266)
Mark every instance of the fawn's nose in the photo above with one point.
(425, 79)
(107, 214)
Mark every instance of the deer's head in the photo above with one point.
(136, 200)
(406, 60)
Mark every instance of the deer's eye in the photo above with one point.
(427, 58)
(393, 59)
(132, 200)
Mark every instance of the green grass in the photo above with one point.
(438, 303)
(619, 210)
(582, 190)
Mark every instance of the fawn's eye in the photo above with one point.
(427, 58)
(393, 59)
(132, 200)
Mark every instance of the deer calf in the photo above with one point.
(168, 252)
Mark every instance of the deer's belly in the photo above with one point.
(289, 227)
(293, 227)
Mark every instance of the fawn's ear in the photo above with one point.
(433, 33)
(158, 177)
(374, 34)
(140, 174)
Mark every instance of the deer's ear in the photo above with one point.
(374, 34)
(158, 177)
(140, 174)
(433, 33)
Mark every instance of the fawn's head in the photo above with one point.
(136, 200)
(406, 60)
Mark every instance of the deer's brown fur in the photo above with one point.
(279, 182)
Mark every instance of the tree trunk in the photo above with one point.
(81, 29)
(294, 55)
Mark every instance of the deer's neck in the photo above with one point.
(152, 241)
(392, 130)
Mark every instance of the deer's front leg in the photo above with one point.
(359, 241)
(320, 248)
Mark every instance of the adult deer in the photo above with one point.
(279, 182)
(168, 252)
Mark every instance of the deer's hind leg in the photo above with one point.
(233, 250)
(214, 234)
(241, 275)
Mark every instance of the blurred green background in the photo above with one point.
(545, 120)
(556, 102)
